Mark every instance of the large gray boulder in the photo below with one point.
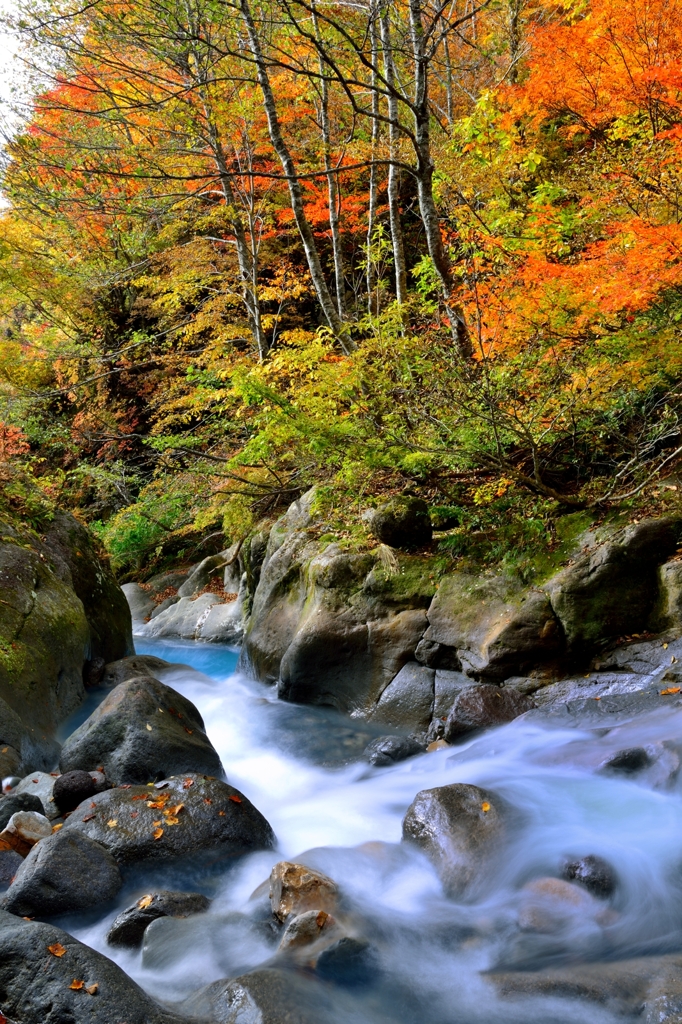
(129, 927)
(142, 728)
(460, 828)
(407, 701)
(65, 872)
(37, 981)
(140, 602)
(189, 815)
(483, 706)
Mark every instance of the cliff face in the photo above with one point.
(59, 608)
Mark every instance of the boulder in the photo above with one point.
(93, 670)
(547, 904)
(10, 862)
(308, 929)
(348, 961)
(447, 687)
(385, 751)
(189, 617)
(38, 966)
(497, 628)
(130, 668)
(129, 927)
(201, 575)
(190, 815)
(479, 707)
(407, 701)
(142, 728)
(436, 655)
(612, 590)
(594, 873)
(402, 522)
(24, 829)
(72, 788)
(295, 888)
(460, 828)
(9, 805)
(140, 601)
(64, 872)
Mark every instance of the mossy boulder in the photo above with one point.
(402, 522)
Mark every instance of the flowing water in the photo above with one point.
(296, 764)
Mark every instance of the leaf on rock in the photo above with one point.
(157, 833)
(671, 689)
(140, 796)
(57, 949)
(207, 800)
(149, 728)
(56, 828)
(485, 806)
(88, 817)
(92, 989)
(187, 783)
(188, 731)
(145, 901)
(112, 823)
(77, 985)
(174, 811)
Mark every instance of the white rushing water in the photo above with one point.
(347, 820)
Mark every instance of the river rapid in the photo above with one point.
(344, 818)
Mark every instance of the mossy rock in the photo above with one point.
(402, 522)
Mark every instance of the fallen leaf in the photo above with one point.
(56, 828)
(161, 710)
(158, 832)
(112, 823)
(156, 823)
(596, 698)
(126, 785)
(207, 800)
(188, 731)
(77, 985)
(485, 806)
(172, 821)
(92, 989)
(93, 804)
(665, 647)
(88, 817)
(57, 949)
(174, 811)
(671, 689)
(145, 902)
(235, 799)
(134, 814)
(187, 783)
(321, 918)
(221, 814)
(149, 728)
(156, 804)
(140, 796)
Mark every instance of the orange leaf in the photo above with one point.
(77, 985)
(235, 799)
(92, 989)
(671, 689)
(485, 806)
(187, 783)
(174, 811)
(145, 902)
(158, 832)
(57, 949)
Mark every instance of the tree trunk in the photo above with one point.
(393, 172)
(295, 190)
(372, 304)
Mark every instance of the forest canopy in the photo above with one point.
(408, 247)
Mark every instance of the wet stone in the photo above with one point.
(308, 928)
(129, 927)
(629, 761)
(594, 873)
(385, 751)
(479, 707)
(295, 888)
(71, 788)
(10, 805)
(350, 962)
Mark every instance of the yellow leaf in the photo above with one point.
(158, 832)
(149, 728)
(57, 949)
(172, 821)
(56, 828)
(144, 902)
(112, 823)
(485, 806)
(77, 985)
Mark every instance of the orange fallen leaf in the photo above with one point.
(671, 689)
(158, 832)
(140, 796)
(207, 801)
(56, 828)
(485, 806)
(145, 902)
(57, 949)
(156, 804)
(235, 799)
(188, 731)
(172, 821)
(221, 814)
(88, 817)
(174, 811)
(134, 814)
(187, 783)
(92, 989)
(77, 985)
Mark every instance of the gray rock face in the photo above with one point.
(205, 617)
(39, 784)
(460, 829)
(131, 668)
(402, 522)
(10, 862)
(407, 701)
(203, 574)
(138, 823)
(65, 872)
(15, 802)
(140, 729)
(140, 602)
(479, 707)
(35, 985)
(129, 927)
(385, 751)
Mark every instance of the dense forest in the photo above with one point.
(409, 247)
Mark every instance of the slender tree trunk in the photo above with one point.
(372, 304)
(295, 191)
(393, 171)
(332, 185)
(424, 176)
(448, 84)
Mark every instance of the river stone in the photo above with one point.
(131, 668)
(546, 903)
(479, 707)
(295, 888)
(385, 751)
(40, 784)
(10, 862)
(436, 655)
(35, 985)
(215, 818)
(349, 961)
(31, 826)
(447, 687)
(161, 607)
(407, 701)
(183, 618)
(63, 873)
(459, 828)
(139, 600)
(266, 996)
(307, 929)
(207, 571)
(402, 522)
(72, 788)
(9, 806)
(142, 728)
(592, 872)
(129, 927)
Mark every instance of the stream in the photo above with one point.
(342, 817)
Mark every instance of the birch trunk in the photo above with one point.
(393, 172)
